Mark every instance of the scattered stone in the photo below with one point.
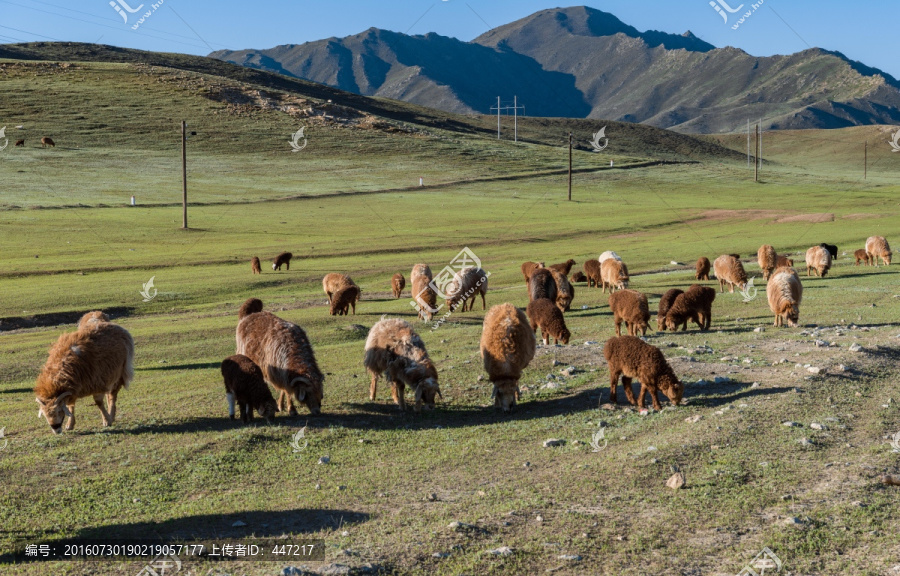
(722, 379)
(324, 460)
(364, 441)
(538, 518)
(701, 382)
(759, 329)
(238, 524)
(674, 263)
(841, 368)
(569, 557)
(344, 534)
(293, 571)
(461, 527)
(793, 521)
(441, 555)
(342, 488)
(890, 480)
(791, 424)
(814, 370)
(676, 481)
(431, 497)
(570, 371)
(480, 377)
(748, 360)
(557, 363)
(589, 343)
(526, 465)
(318, 486)
(502, 551)
(817, 426)
(550, 386)
(334, 570)
(693, 419)
(821, 343)
(608, 406)
(804, 442)
(855, 347)
(651, 448)
(754, 385)
(553, 442)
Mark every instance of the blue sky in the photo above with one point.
(867, 34)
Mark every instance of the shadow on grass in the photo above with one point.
(17, 391)
(194, 366)
(58, 318)
(711, 395)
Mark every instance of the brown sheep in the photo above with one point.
(333, 282)
(466, 285)
(394, 349)
(695, 304)
(818, 259)
(767, 258)
(507, 347)
(862, 256)
(579, 277)
(96, 360)
(250, 306)
(631, 357)
(565, 292)
(563, 268)
(398, 283)
(545, 314)
(344, 299)
(542, 284)
(283, 259)
(285, 355)
(592, 272)
(664, 304)
(528, 269)
(254, 265)
(877, 247)
(738, 256)
(244, 384)
(46, 141)
(783, 261)
(422, 292)
(702, 268)
(631, 307)
(730, 271)
(785, 292)
(614, 275)
(20, 142)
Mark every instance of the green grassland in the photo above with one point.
(174, 464)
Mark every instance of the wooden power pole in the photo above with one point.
(570, 166)
(756, 176)
(866, 162)
(184, 222)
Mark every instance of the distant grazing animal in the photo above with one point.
(333, 282)
(20, 142)
(283, 259)
(818, 259)
(283, 352)
(545, 314)
(565, 292)
(398, 283)
(507, 347)
(254, 265)
(465, 286)
(422, 292)
(542, 284)
(45, 141)
(579, 277)
(563, 268)
(664, 304)
(244, 384)
(730, 271)
(702, 268)
(877, 247)
(344, 299)
(529, 267)
(630, 357)
(782, 261)
(832, 249)
(631, 307)
(613, 275)
(766, 257)
(394, 349)
(862, 256)
(695, 304)
(96, 360)
(592, 272)
(785, 292)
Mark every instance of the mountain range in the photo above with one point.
(580, 62)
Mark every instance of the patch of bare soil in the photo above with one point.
(863, 216)
(742, 214)
(815, 218)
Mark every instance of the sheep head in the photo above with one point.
(672, 388)
(267, 410)
(887, 256)
(505, 395)
(565, 335)
(55, 411)
(791, 312)
(309, 394)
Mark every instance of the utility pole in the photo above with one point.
(866, 162)
(748, 143)
(570, 166)
(760, 142)
(515, 119)
(498, 117)
(184, 222)
(756, 176)
(515, 107)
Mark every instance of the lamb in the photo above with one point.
(877, 247)
(630, 357)
(20, 143)
(862, 256)
(695, 304)
(832, 249)
(96, 360)
(730, 271)
(47, 141)
(245, 385)
(423, 293)
(664, 304)
(783, 261)
(465, 286)
(766, 257)
(592, 272)
(398, 283)
(528, 269)
(283, 259)
(542, 284)
(563, 268)
(543, 312)
(818, 259)
(344, 299)
(579, 277)
(333, 282)
(785, 292)
(394, 349)
(702, 268)
(565, 292)
(285, 355)
(614, 275)
(507, 346)
(254, 265)
(631, 307)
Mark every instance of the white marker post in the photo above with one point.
(421, 181)
(132, 200)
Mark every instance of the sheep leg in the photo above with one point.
(613, 383)
(618, 322)
(245, 418)
(111, 404)
(71, 423)
(629, 391)
(98, 399)
(654, 392)
(353, 305)
(373, 387)
(398, 390)
(483, 302)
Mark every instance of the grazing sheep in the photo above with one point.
(507, 346)
(285, 355)
(664, 304)
(398, 283)
(333, 282)
(862, 256)
(465, 286)
(607, 255)
(563, 268)
(702, 268)
(528, 269)
(614, 275)
(783, 261)
(631, 307)
(254, 265)
(422, 292)
(579, 277)
(877, 247)
(344, 299)
(244, 384)
(565, 292)
(542, 284)
(832, 249)
(695, 304)
(20, 143)
(394, 349)
(630, 357)
(818, 259)
(766, 257)
(729, 270)
(592, 272)
(545, 314)
(785, 292)
(96, 360)
(283, 259)
(46, 141)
